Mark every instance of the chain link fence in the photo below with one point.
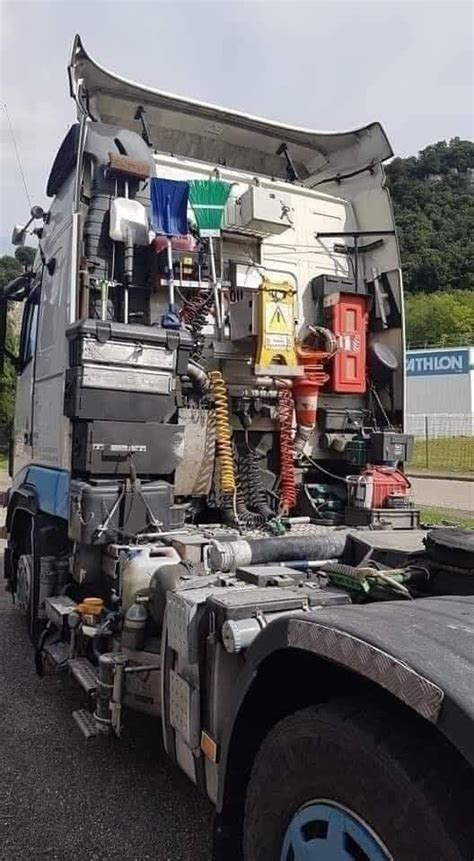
(444, 442)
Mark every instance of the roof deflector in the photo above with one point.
(197, 130)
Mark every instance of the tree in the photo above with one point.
(9, 268)
(440, 318)
(25, 255)
(434, 212)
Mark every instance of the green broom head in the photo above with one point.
(208, 198)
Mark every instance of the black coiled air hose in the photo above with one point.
(254, 489)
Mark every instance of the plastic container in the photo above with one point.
(383, 518)
(134, 627)
(140, 565)
(90, 610)
(376, 486)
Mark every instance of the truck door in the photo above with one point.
(23, 424)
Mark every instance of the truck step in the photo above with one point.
(58, 653)
(86, 723)
(85, 673)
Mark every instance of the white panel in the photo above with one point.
(122, 379)
(194, 474)
(449, 393)
(125, 353)
(51, 428)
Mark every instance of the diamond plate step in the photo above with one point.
(85, 673)
(86, 723)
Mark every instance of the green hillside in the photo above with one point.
(433, 196)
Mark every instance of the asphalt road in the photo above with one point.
(443, 493)
(62, 797)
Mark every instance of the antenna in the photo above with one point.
(18, 156)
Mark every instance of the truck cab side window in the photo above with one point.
(29, 330)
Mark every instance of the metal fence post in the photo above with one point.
(427, 445)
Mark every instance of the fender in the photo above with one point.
(420, 653)
(24, 498)
(39, 488)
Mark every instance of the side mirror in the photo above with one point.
(37, 212)
(19, 232)
(18, 235)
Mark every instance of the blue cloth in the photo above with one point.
(169, 207)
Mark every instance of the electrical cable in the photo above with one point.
(326, 471)
(18, 158)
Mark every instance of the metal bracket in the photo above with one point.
(103, 330)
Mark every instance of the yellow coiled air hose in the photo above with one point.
(223, 433)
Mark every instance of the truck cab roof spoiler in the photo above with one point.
(196, 130)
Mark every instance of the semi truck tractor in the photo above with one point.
(209, 519)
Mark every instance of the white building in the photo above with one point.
(440, 384)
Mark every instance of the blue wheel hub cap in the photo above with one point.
(325, 831)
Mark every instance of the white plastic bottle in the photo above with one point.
(140, 564)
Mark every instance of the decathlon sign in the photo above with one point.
(432, 363)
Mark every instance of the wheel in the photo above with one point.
(25, 595)
(351, 781)
(24, 583)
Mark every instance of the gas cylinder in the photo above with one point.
(139, 565)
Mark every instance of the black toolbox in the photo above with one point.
(101, 510)
(113, 447)
(83, 401)
(390, 447)
(123, 372)
(344, 419)
(102, 342)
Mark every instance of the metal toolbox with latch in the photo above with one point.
(112, 448)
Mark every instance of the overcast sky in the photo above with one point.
(330, 66)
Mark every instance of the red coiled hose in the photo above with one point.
(194, 307)
(287, 469)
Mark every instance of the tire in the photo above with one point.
(411, 791)
(24, 583)
(27, 597)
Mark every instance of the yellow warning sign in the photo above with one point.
(276, 336)
(276, 318)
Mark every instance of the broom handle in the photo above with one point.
(215, 286)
